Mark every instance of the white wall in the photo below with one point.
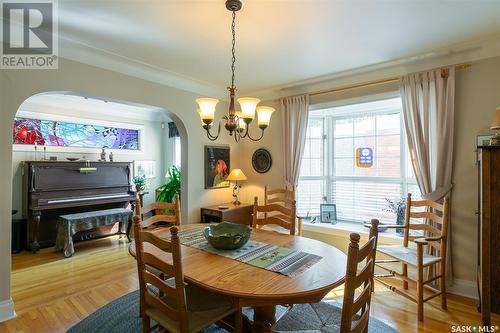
(72, 76)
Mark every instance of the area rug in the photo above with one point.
(122, 315)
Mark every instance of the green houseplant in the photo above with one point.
(397, 207)
(167, 192)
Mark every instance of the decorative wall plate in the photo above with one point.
(262, 160)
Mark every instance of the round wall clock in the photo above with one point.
(262, 160)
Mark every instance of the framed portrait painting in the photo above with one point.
(217, 166)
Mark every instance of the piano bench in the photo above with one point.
(68, 225)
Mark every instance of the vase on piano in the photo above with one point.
(140, 183)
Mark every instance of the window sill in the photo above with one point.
(345, 228)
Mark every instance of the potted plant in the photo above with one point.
(397, 207)
(167, 192)
(140, 183)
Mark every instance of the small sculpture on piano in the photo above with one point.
(103, 155)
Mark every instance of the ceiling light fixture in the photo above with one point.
(237, 123)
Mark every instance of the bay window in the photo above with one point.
(355, 157)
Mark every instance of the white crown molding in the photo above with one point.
(486, 47)
(7, 310)
(90, 55)
(483, 48)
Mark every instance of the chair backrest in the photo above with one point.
(280, 196)
(356, 308)
(147, 247)
(434, 224)
(162, 212)
(274, 214)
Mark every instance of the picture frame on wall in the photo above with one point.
(144, 168)
(217, 166)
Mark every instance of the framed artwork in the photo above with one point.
(483, 140)
(144, 168)
(328, 213)
(217, 166)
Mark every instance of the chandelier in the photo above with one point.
(236, 122)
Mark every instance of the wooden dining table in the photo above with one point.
(250, 286)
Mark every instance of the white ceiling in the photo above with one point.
(279, 43)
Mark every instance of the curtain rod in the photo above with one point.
(444, 72)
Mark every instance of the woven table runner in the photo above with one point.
(270, 257)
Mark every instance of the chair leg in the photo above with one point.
(238, 321)
(145, 324)
(442, 285)
(405, 274)
(420, 284)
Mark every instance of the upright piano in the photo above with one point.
(53, 188)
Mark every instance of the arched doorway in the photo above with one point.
(62, 126)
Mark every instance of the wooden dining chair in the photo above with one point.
(162, 213)
(355, 313)
(284, 197)
(173, 304)
(274, 214)
(435, 233)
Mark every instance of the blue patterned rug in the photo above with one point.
(122, 316)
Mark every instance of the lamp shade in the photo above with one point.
(495, 125)
(207, 108)
(248, 105)
(236, 174)
(264, 114)
(241, 121)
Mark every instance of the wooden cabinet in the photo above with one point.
(237, 214)
(489, 232)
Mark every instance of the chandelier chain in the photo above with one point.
(233, 59)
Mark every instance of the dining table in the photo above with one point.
(250, 286)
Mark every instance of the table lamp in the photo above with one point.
(495, 126)
(236, 175)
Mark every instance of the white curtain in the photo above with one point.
(295, 111)
(428, 109)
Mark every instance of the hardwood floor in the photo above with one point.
(52, 293)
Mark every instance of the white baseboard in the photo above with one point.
(7, 310)
(465, 288)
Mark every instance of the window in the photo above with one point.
(177, 151)
(355, 156)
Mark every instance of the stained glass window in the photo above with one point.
(28, 131)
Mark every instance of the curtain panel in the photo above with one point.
(173, 132)
(429, 113)
(295, 112)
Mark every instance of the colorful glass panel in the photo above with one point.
(28, 131)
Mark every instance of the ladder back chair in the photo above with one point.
(173, 304)
(434, 238)
(162, 213)
(355, 313)
(284, 197)
(274, 214)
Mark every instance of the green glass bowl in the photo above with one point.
(227, 236)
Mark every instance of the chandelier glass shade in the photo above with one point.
(237, 123)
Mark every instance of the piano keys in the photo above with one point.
(55, 188)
